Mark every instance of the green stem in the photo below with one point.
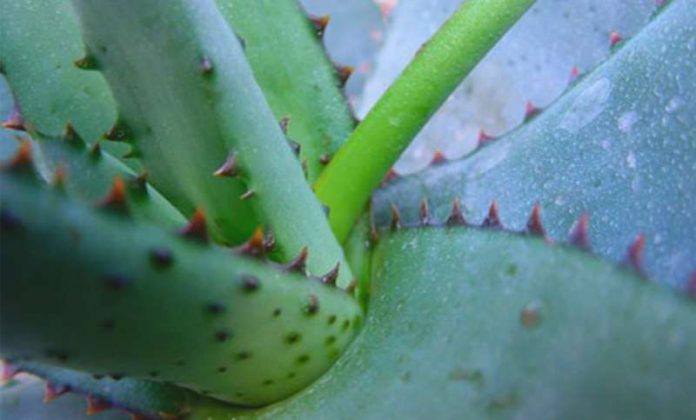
(436, 70)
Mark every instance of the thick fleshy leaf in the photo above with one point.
(533, 62)
(620, 146)
(482, 323)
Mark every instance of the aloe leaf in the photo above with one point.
(551, 46)
(85, 289)
(620, 146)
(303, 85)
(484, 323)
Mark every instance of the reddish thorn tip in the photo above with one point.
(344, 73)
(196, 228)
(331, 277)
(456, 217)
(96, 405)
(492, 220)
(530, 111)
(22, 158)
(534, 225)
(299, 264)
(15, 121)
(614, 38)
(53, 391)
(320, 23)
(579, 235)
(634, 256)
(9, 371)
(395, 218)
(484, 138)
(391, 175)
(116, 197)
(438, 158)
(255, 246)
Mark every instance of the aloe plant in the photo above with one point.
(195, 225)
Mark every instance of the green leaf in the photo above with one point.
(297, 78)
(620, 146)
(484, 323)
(92, 290)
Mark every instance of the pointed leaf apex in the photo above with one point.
(634, 256)
(229, 168)
(96, 405)
(534, 225)
(116, 199)
(395, 218)
(196, 228)
(424, 212)
(299, 264)
(492, 220)
(456, 218)
(53, 391)
(579, 235)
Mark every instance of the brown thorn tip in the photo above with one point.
(53, 391)
(390, 175)
(9, 371)
(438, 158)
(424, 212)
(116, 197)
(579, 234)
(395, 218)
(534, 225)
(456, 218)
(96, 405)
(229, 167)
(320, 23)
(344, 73)
(283, 124)
(614, 38)
(59, 177)
(331, 277)
(196, 227)
(299, 264)
(15, 121)
(255, 246)
(634, 257)
(247, 195)
(22, 158)
(492, 220)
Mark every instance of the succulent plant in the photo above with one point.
(195, 225)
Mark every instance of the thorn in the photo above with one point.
(53, 391)
(161, 256)
(71, 137)
(269, 242)
(424, 213)
(484, 138)
(87, 62)
(116, 197)
(21, 161)
(9, 371)
(254, 247)
(249, 282)
(374, 233)
(534, 225)
(139, 182)
(438, 158)
(294, 146)
(247, 195)
(456, 218)
(312, 305)
(492, 220)
(320, 23)
(579, 234)
(15, 121)
(59, 177)
(691, 285)
(343, 73)
(119, 131)
(283, 123)
(390, 176)
(229, 167)
(530, 111)
(299, 264)
(96, 405)
(634, 256)
(331, 277)
(324, 159)
(395, 218)
(95, 150)
(206, 66)
(614, 38)
(574, 74)
(196, 228)
(351, 287)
